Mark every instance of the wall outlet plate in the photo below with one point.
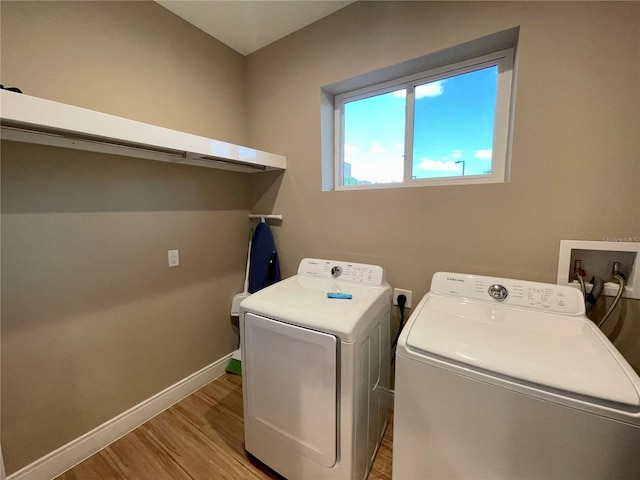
(399, 291)
(174, 258)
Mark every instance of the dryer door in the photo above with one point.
(291, 391)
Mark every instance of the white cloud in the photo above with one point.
(377, 148)
(484, 154)
(450, 166)
(383, 168)
(350, 148)
(456, 153)
(432, 89)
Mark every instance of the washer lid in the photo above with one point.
(567, 353)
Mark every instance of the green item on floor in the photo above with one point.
(235, 364)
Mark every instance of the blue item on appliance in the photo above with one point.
(265, 266)
(345, 296)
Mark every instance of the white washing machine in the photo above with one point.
(315, 370)
(508, 379)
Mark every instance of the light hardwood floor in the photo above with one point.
(200, 437)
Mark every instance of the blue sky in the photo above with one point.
(453, 122)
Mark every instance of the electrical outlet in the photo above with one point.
(406, 293)
(174, 258)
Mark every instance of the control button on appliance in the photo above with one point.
(336, 271)
(498, 292)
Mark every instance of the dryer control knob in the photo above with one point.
(336, 271)
(498, 292)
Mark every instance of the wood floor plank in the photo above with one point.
(201, 456)
(96, 467)
(139, 456)
(218, 422)
(226, 393)
(199, 438)
(215, 423)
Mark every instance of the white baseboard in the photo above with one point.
(74, 452)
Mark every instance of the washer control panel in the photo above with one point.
(345, 271)
(520, 293)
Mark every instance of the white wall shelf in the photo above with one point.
(35, 120)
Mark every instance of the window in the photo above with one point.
(444, 125)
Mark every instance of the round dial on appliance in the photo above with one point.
(498, 292)
(336, 271)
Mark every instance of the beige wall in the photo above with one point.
(93, 320)
(576, 149)
(132, 59)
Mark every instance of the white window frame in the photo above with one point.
(503, 59)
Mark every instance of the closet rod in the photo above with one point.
(265, 217)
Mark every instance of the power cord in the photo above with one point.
(402, 300)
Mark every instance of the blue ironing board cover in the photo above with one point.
(265, 266)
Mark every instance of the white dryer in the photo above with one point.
(315, 370)
(508, 379)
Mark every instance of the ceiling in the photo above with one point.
(248, 25)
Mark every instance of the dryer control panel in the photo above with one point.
(345, 271)
(505, 291)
